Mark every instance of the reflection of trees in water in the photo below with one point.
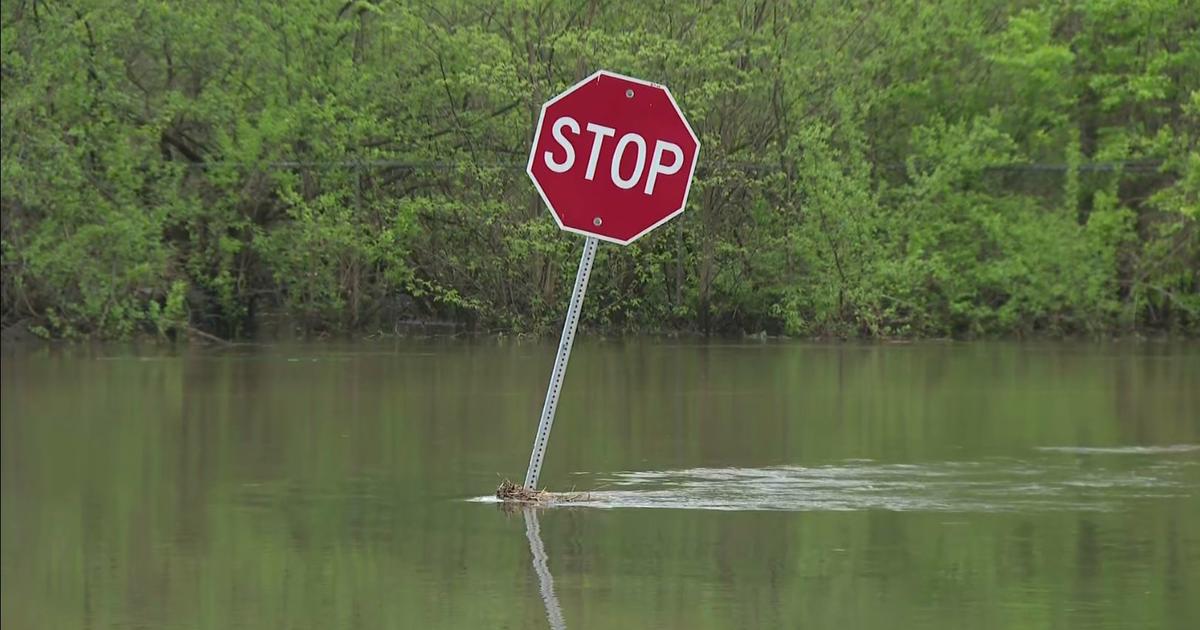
(545, 580)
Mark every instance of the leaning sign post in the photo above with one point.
(613, 158)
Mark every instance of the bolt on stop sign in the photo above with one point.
(613, 157)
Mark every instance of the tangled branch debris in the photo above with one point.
(509, 491)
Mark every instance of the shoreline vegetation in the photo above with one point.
(907, 170)
(18, 336)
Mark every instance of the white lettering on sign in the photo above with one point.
(656, 164)
(599, 134)
(569, 161)
(622, 144)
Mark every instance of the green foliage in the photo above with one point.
(868, 169)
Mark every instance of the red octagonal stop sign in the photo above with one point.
(613, 157)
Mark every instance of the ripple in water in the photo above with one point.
(1122, 450)
(1049, 482)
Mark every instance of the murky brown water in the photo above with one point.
(730, 486)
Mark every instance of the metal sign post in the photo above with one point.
(560, 363)
(613, 158)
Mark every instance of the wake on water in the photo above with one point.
(1056, 478)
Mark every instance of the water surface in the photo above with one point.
(764, 485)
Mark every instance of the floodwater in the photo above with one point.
(726, 485)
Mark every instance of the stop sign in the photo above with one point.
(613, 157)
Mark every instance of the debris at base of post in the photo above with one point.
(509, 491)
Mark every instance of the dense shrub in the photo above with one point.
(867, 169)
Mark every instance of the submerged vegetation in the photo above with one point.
(869, 168)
